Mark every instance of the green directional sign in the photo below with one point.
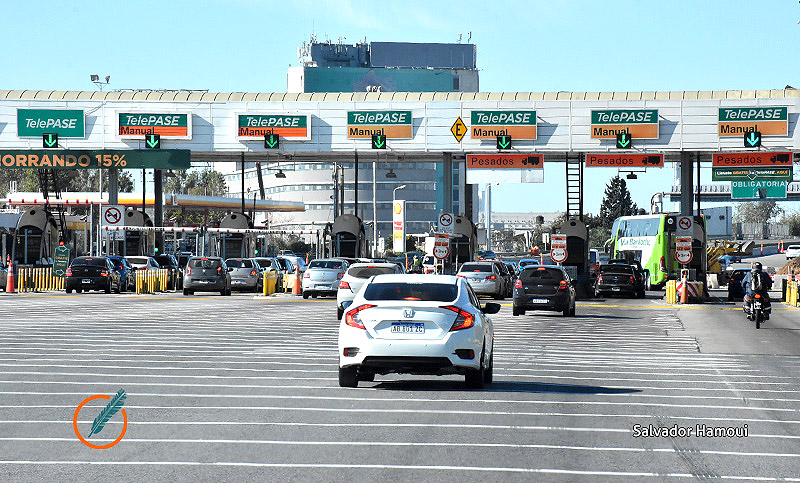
(758, 189)
(272, 141)
(50, 140)
(32, 123)
(61, 261)
(623, 140)
(152, 141)
(378, 141)
(752, 139)
(751, 174)
(503, 142)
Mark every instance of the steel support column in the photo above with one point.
(113, 186)
(158, 207)
(687, 184)
(447, 182)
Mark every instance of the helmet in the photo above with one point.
(757, 267)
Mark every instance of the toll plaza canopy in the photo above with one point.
(236, 126)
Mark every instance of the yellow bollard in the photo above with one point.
(264, 284)
(670, 292)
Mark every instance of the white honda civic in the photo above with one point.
(416, 324)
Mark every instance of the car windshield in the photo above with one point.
(239, 263)
(204, 263)
(541, 274)
(164, 261)
(616, 269)
(329, 264)
(366, 272)
(92, 262)
(427, 292)
(476, 267)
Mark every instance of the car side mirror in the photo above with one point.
(490, 308)
(230, 269)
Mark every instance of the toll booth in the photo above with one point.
(697, 266)
(35, 238)
(134, 243)
(235, 245)
(463, 243)
(346, 237)
(577, 262)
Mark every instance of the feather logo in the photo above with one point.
(111, 409)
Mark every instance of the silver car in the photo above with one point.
(322, 276)
(484, 278)
(246, 275)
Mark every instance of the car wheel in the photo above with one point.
(69, 290)
(223, 292)
(229, 292)
(572, 311)
(119, 288)
(186, 292)
(474, 378)
(314, 295)
(108, 287)
(499, 296)
(339, 313)
(565, 312)
(515, 310)
(348, 377)
(730, 298)
(305, 295)
(488, 374)
(78, 290)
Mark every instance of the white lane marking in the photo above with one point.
(389, 411)
(408, 443)
(483, 469)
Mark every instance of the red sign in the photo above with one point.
(625, 160)
(751, 159)
(504, 161)
(683, 249)
(558, 248)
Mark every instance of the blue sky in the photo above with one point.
(247, 45)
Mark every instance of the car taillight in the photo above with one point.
(758, 295)
(491, 277)
(306, 275)
(600, 278)
(632, 279)
(188, 270)
(464, 319)
(69, 272)
(104, 273)
(663, 265)
(344, 284)
(562, 285)
(252, 272)
(219, 270)
(351, 319)
(518, 284)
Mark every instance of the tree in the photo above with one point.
(68, 180)
(205, 182)
(757, 211)
(616, 202)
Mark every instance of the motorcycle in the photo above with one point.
(756, 312)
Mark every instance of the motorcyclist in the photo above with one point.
(416, 266)
(751, 288)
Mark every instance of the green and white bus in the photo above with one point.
(646, 239)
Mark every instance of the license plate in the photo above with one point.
(86, 280)
(405, 328)
(757, 305)
(237, 281)
(322, 285)
(615, 289)
(538, 301)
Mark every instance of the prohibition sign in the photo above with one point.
(684, 223)
(112, 216)
(98, 446)
(445, 220)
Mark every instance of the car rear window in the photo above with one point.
(366, 272)
(738, 274)
(476, 267)
(239, 263)
(200, 263)
(91, 262)
(329, 264)
(264, 263)
(541, 274)
(794, 247)
(428, 292)
(617, 269)
(525, 263)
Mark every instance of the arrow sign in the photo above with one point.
(271, 141)
(50, 140)
(752, 139)
(378, 141)
(623, 140)
(153, 141)
(503, 142)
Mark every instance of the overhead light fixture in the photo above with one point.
(391, 174)
(631, 176)
(94, 77)
(280, 174)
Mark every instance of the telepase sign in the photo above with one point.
(32, 123)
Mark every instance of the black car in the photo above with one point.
(92, 273)
(642, 275)
(620, 279)
(735, 289)
(174, 274)
(544, 288)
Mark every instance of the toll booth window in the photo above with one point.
(430, 292)
(234, 263)
(197, 263)
(366, 272)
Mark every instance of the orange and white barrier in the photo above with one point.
(688, 290)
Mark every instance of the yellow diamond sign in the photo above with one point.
(459, 129)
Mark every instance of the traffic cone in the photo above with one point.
(684, 292)
(297, 289)
(10, 284)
